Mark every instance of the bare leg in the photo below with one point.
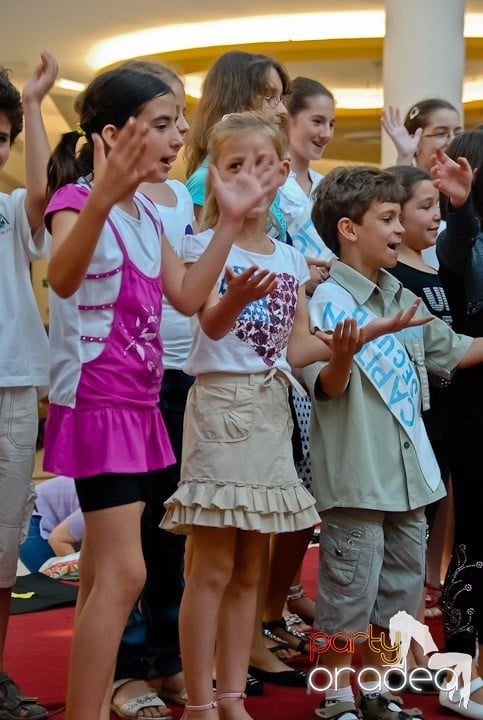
(210, 570)
(113, 571)
(287, 551)
(260, 655)
(238, 610)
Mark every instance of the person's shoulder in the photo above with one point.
(179, 189)
(71, 196)
(10, 201)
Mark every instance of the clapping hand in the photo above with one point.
(251, 284)
(248, 187)
(405, 144)
(453, 177)
(42, 79)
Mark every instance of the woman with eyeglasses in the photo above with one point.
(237, 81)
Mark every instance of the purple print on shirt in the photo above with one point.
(266, 324)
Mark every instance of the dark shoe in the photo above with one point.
(14, 705)
(337, 710)
(254, 687)
(419, 684)
(287, 678)
(378, 708)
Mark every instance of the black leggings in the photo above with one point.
(462, 597)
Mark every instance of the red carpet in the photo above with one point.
(37, 657)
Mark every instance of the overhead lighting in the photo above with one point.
(237, 31)
(256, 29)
(65, 84)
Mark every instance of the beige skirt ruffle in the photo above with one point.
(237, 468)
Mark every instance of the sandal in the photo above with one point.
(295, 639)
(131, 707)
(346, 710)
(299, 625)
(381, 707)
(14, 705)
(281, 649)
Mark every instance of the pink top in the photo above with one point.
(115, 425)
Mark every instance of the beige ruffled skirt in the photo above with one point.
(237, 468)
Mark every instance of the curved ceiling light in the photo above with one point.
(237, 31)
(240, 31)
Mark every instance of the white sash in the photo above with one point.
(305, 237)
(386, 364)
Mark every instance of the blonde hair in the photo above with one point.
(231, 124)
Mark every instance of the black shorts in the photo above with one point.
(112, 489)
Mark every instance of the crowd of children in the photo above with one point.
(312, 309)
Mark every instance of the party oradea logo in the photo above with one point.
(450, 667)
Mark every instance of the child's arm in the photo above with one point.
(188, 289)
(304, 348)
(37, 149)
(474, 356)
(61, 540)
(218, 315)
(75, 235)
(405, 145)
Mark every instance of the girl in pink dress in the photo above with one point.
(109, 264)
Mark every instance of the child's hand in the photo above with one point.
(392, 123)
(43, 78)
(250, 285)
(453, 177)
(120, 172)
(402, 319)
(345, 340)
(247, 188)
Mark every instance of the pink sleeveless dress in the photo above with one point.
(116, 425)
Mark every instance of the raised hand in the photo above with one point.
(250, 285)
(118, 173)
(402, 319)
(405, 144)
(248, 187)
(453, 177)
(42, 79)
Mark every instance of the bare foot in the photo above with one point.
(263, 659)
(170, 687)
(139, 696)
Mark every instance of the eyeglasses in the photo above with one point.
(273, 101)
(442, 136)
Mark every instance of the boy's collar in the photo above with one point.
(358, 285)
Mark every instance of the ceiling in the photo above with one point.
(69, 29)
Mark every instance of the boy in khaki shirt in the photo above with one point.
(373, 466)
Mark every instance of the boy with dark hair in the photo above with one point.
(24, 345)
(373, 467)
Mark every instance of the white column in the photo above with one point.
(424, 56)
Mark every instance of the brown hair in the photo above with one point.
(10, 104)
(231, 85)
(419, 114)
(349, 192)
